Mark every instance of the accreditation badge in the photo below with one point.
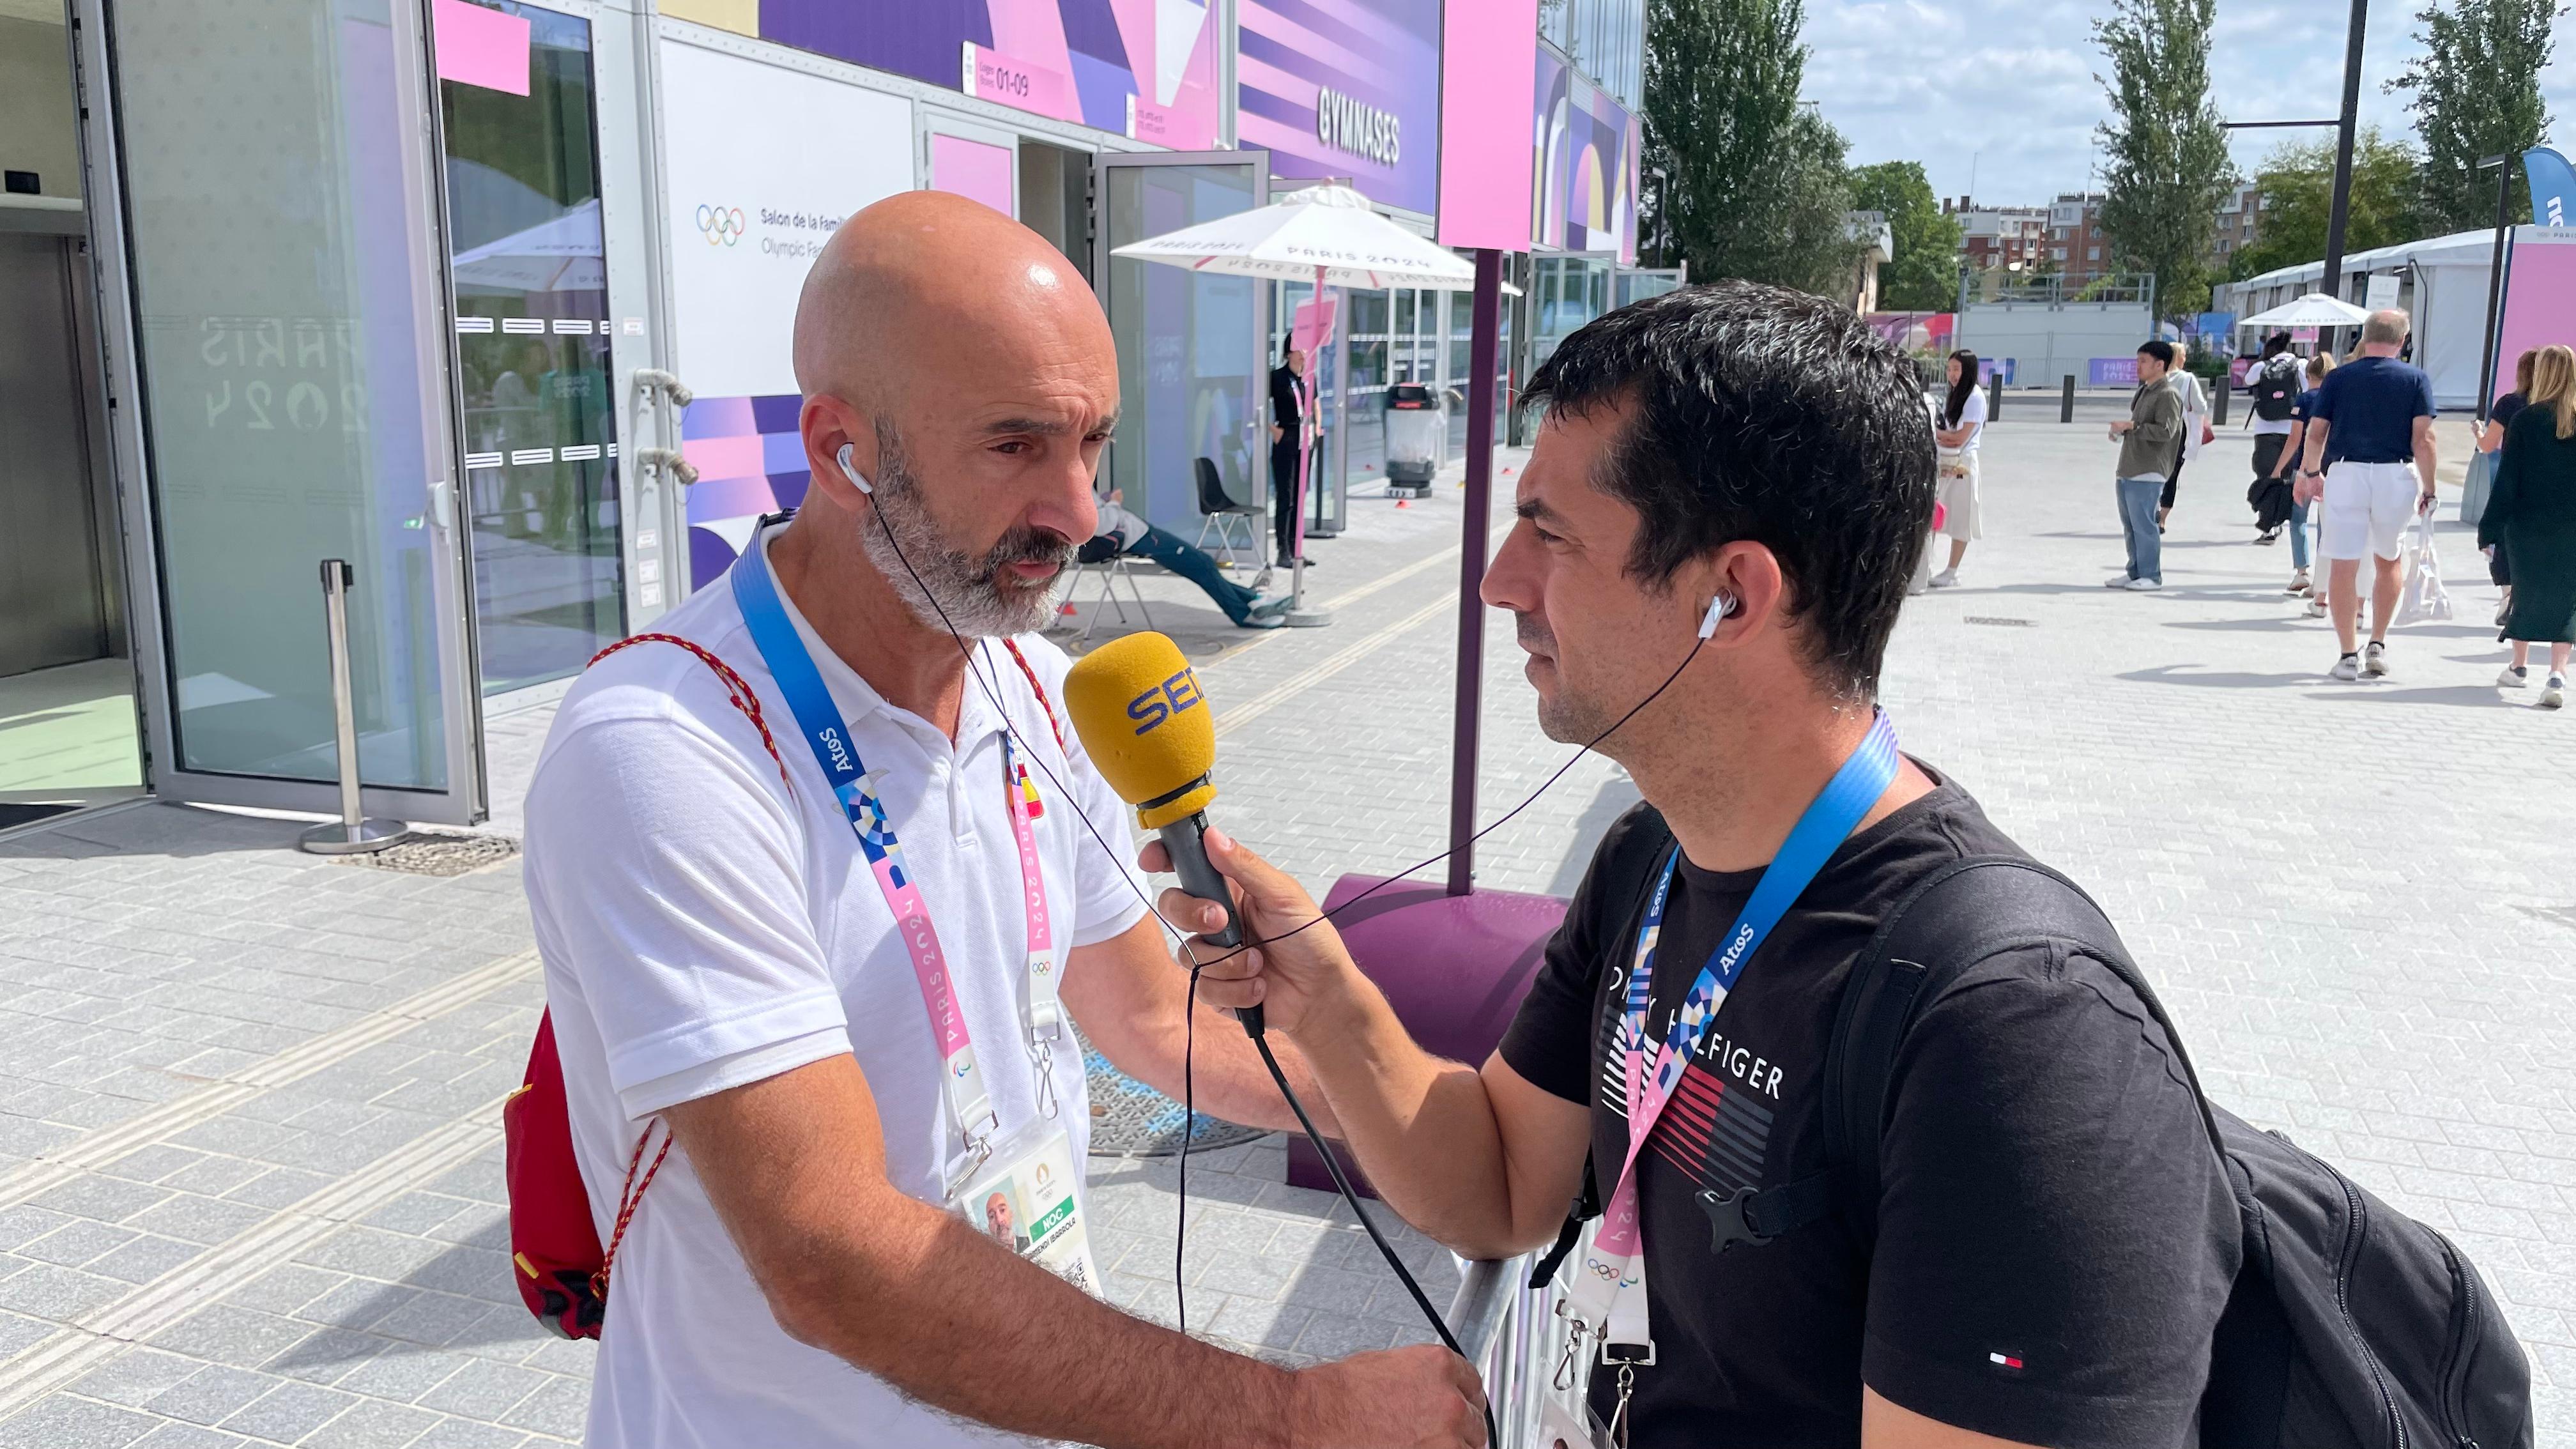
(1022, 1197)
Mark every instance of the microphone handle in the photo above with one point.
(1199, 878)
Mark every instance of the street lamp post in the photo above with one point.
(2495, 284)
(2344, 124)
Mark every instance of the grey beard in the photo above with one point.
(944, 587)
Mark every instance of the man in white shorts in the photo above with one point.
(2379, 413)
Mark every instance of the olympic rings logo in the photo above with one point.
(722, 226)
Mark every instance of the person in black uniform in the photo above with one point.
(1287, 412)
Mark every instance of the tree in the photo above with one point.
(2165, 150)
(2477, 93)
(1749, 183)
(1925, 275)
(2297, 186)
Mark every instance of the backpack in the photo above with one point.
(2275, 386)
(2349, 1323)
(562, 1268)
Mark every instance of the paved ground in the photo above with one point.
(249, 1184)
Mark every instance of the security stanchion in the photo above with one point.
(352, 833)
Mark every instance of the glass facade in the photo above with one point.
(1606, 38)
(1397, 336)
(536, 394)
(275, 206)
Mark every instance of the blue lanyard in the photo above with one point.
(1828, 821)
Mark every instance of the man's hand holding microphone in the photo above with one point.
(1137, 707)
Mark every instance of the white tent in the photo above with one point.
(2442, 285)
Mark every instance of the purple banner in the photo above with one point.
(1347, 88)
(1122, 66)
(1586, 151)
(2113, 371)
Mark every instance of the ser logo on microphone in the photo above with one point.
(1164, 700)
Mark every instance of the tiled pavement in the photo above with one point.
(249, 1181)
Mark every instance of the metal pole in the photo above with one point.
(353, 833)
(2487, 358)
(2066, 401)
(2335, 219)
(1483, 339)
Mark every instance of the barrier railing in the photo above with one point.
(1512, 1335)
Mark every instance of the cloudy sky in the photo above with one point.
(2001, 93)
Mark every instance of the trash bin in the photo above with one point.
(1417, 434)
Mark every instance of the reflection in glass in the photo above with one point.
(1186, 348)
(532, 353)
(273, 236)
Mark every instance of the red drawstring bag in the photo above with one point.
(561, 1269)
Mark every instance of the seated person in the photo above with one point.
(1124, 532)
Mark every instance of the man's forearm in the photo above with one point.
(1423, 1128)
(956, 1321)
(2424, 462)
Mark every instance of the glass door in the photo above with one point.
(1190, 374)
(274, 317)
(536, 399)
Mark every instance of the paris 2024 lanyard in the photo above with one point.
(819, 720)
(1606, 1303)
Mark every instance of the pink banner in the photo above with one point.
(1484, 123)
(479, 47)
(973, 170)
(1020, 84)
(2539, 301)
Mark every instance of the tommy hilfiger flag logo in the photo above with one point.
(2004, 1361)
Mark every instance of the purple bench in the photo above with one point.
(1454, 968)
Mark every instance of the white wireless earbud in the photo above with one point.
(852, 473)
(1718, 608)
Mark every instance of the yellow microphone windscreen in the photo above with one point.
(1137, 706)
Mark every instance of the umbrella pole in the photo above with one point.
(1298, 615)
(1484, 341)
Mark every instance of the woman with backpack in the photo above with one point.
(2530, 523)
(2274, 387)
(1962, 422)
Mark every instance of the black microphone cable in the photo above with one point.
(975, 666)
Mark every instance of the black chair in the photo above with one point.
(1222, 513)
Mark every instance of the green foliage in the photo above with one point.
(1925, 275)
(2477, 93)
(1751, 184)
(2298, 194)
(2164, 150)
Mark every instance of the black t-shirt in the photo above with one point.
(1283, 402)
(2501, 413)
(2054, 1236)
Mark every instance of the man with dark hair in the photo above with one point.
(1725, 501)
(2150, 440)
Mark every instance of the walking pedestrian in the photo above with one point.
(1962, 424)
(2490, 449)
(2300, 507)
(2530, 523)
(2150, 440)
(2195, 428)
(2273, 390)
(2378, 414)
(1287, 428)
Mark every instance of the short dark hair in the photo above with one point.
(2276, 344)
(1778, 417)
(2160, 350)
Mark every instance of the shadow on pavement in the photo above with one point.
(2220, 679)
(2481, 696)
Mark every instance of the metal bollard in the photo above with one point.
(352, 833)
(1995, 396)
(2226, 386)
(2066, 401)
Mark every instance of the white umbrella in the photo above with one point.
(2316, 309)
(1327, 235)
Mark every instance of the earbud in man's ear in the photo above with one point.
(1718, 608)
(851, 472)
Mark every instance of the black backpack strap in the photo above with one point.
(1966, 912)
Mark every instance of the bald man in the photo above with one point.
(722, 954)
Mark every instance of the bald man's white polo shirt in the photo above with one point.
(704, 926)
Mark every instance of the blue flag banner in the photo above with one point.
(2553, 186)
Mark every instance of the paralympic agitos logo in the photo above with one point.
(722, 225)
